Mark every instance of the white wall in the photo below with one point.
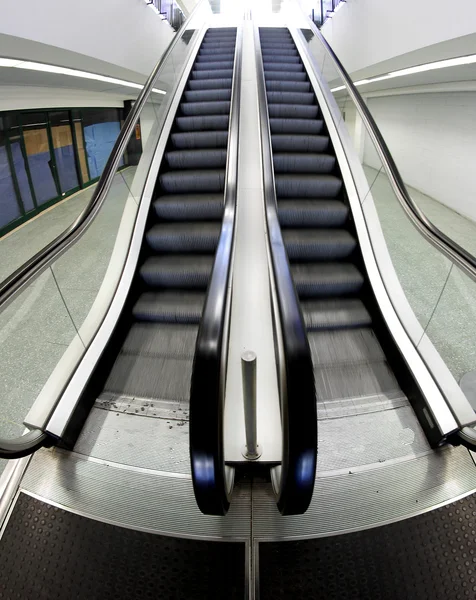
(432, 138)
(122, 32)
(28, 97)
(366, 32)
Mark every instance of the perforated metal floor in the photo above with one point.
(46, 553)
(432, 556)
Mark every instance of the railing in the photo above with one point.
(431, 277)
(293, 481)
(324, 10)
(212, 480)
(56, 312)
(168, 11)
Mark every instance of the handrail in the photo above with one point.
(12, 285)
(456, 253)
(211, 481)
(298, 399)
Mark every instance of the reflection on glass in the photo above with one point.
(10, 209)
(81, 151)
(101, 128)
(40, 161)
(62, 137)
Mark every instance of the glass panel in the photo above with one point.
(37, 146)
(81, 151)
(101, 128)
(12, 132)
(9, 205)
(64, 307)
(62, 137)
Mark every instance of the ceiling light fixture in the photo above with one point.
(36, 66)
(440, 64)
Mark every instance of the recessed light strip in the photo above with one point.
(36, 66)
(440, 64)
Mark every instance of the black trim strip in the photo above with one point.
(211, 481)
(298, 399)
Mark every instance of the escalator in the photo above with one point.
(326, 265)
(184, 224)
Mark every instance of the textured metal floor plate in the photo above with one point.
(138, 498)
(429, 557)
(47, 553)
(367, 498)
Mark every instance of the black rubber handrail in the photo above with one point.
(456, 253)
(295, 485)
(17, 281)
(212, 480)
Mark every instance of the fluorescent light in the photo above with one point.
(36, 66)
(8, 62)
(440, 64)
(338, 89)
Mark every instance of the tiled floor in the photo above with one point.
(37, 327)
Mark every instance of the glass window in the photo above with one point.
(62, 137)
(101, 128)
(9, 205)
(40, 161)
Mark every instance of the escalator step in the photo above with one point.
(292, 111)
(196, 159)
(312, 213)
(285, 76)
(288, 86)
(191, 109)
(181, 238)
(184, 271)
(183, 182)
(344, 313)
(290, 97)
(278, 45)
(345, 346)
(200, 139)
(198, 66)
(307, 186)
(281, 51)
(166, 339)
(208, 95)
(190, 207)
(209, 84)
(318, 244)
(299, 143)
(209, 58)
(353, 381)
(299, 126)
(290, 162)
(270, 57)
(151, 377)
(326, 279)
(217, 47)
(170, 307)
(213, 74)
(202, 123)
(286, 67)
